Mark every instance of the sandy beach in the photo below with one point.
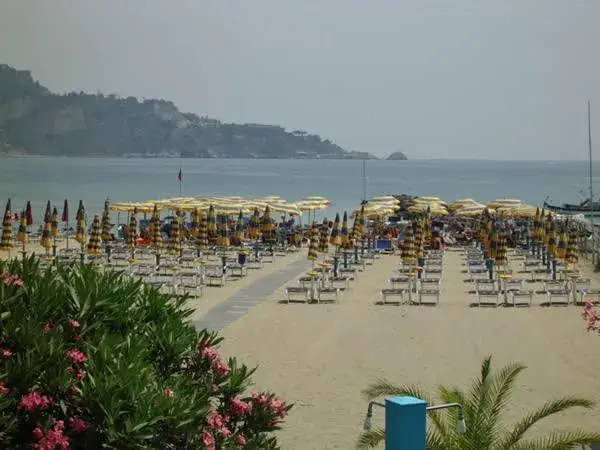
(320, 356)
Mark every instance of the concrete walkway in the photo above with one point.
(245, 299)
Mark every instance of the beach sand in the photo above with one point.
(320, 357)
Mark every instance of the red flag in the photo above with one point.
(180, 175)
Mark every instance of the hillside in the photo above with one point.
(397, 156)
(35, 121)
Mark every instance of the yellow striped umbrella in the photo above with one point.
(46, 240)
(407, 253)
(314, 245)
(561, 249)
(324, 237)
(571, 257)
(54, 222)
(335, 238)
(212, 225)
(493, 241)
(254, 225)
(345, 241)
(156, 236)
(267, 226)
(194, 223)
(536, 226)
(223, 239)
(93, 246)
(48, 213)
(418, 237)
(132, 230)
(105, 224)
(202, 237)
(500, 257)
(551, 237)
(6, 241)
(239, 227)
(175, 240)
(80, 220)
(548, 226)
(22, 233)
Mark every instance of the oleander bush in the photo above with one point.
(98, 360)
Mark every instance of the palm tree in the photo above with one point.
(482, 405)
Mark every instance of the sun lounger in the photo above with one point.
(331, 292)
(589, 294)
(485, 284)
(522, 298)
(237, 270)
(556, 290)
(488, 297)
(429, 291)
(393, 292)
(405, 283)
(298, 292)
(216, 280)
(538, 273)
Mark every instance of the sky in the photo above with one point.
(489, 79)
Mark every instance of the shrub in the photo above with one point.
(94, 359)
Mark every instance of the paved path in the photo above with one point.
(245, 299)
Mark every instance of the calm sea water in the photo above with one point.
(94, 180)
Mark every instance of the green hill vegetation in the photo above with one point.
(35, 121)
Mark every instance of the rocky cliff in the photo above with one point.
(34, 120)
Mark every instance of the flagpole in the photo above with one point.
(180, 178)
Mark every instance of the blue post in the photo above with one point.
(405, 419)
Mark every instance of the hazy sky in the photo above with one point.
(497, 79)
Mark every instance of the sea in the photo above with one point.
(94, 180)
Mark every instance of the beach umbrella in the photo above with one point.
(571, 256)
(548, 227)
(46, 240)
(175, 240)
(541, 228)
(194, 223)
(561, 248)
(267, 226)
(345, 241)
(361, 221)
(551, 237)
(335, 238)
(324, 237)
(314, 245)
(22, 233)
(407, 253)
(80, 219)
(28, 214)
(493, 241)
(132, 230)
(535, 235)
(354, 231)
(254, 225)
(6, 240)
(93, 246)
(105, 224)
(239, 227)
(202, 237)
(54, 222)
(223, 238)
(500, 257)
(156, 236)
(65, 212)
(48, 213)
(212, 225)
(418, 238)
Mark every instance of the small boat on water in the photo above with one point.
(586, 207)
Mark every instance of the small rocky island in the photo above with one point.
(397, 156)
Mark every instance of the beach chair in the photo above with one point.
(429, 290)
(299, 293)
(237, 270)
(392, 292)
(557, 290)
(539, 273)
(521, 298)
(488, 297)
(405, 283)
(215, 279)
(485, 284)
(589, 294)
(343, 280)
(190, 283)
(331, 294)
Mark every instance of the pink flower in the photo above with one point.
(260, 398)
(77, 338)
(80, 374)
(168, 392)
(73, 390)
(240, 408)
(77, 424)
(53, 439)
(33, 401)
(4, 390)
(221, 368)
(74, 324)
(38, 434)
(76, 355)
(240, 440)
(6, 352)
(47, 327)
(208, 440)
(11, 280)
(219, 423)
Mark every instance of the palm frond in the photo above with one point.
(479, 398)
(549, 409)
(558, 441)
(370, 439)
